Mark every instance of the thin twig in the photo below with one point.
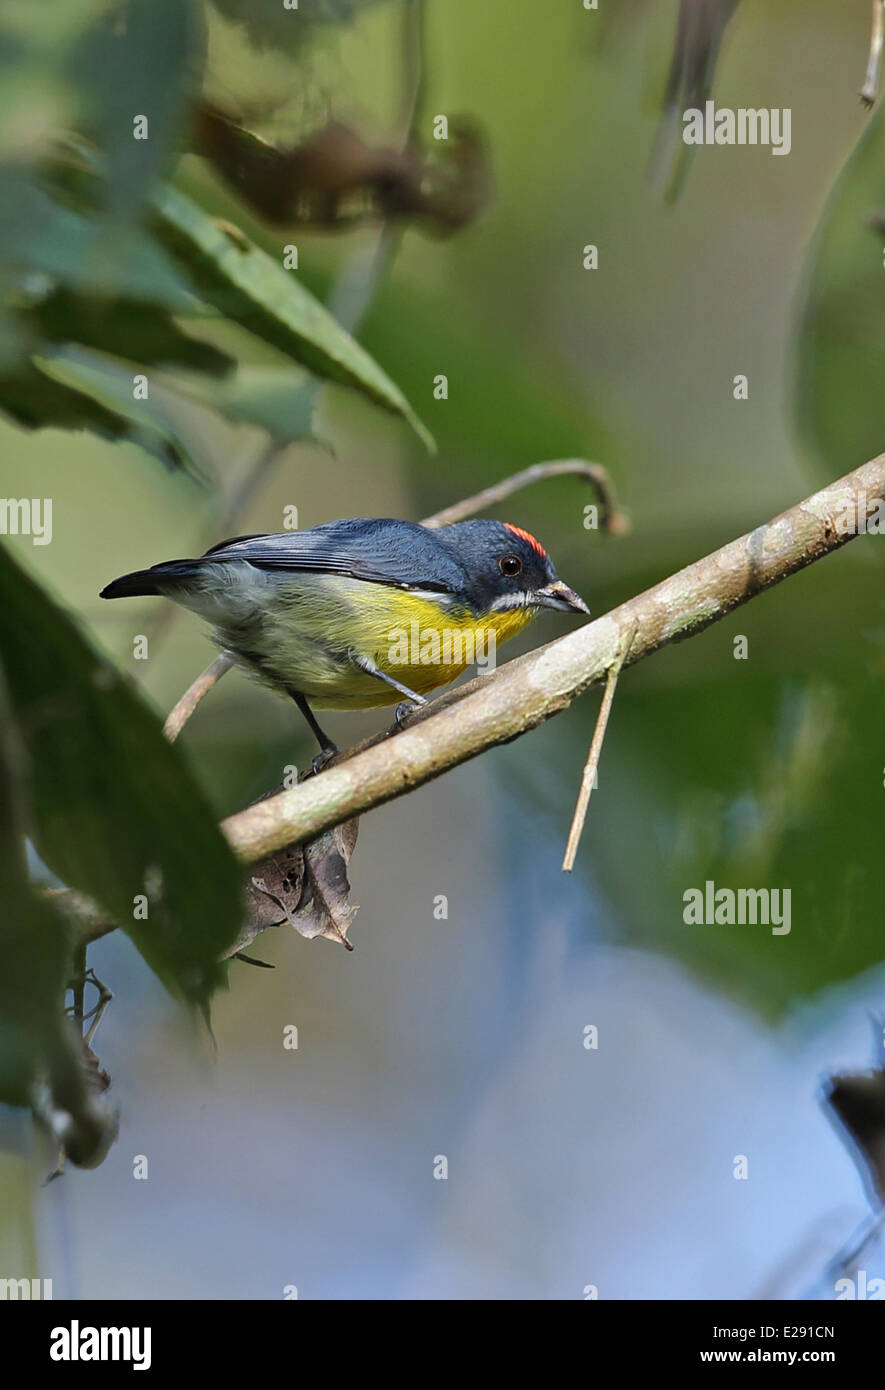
(614, 521)
(185, 707)
(870, 89)
(97, 1013)
(258, 473)
(370, 264)
(413, 40)
(588, 780)
(848, 1256)
(78, 984)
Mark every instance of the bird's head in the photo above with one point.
(506, 568)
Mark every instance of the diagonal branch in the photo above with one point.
(496, 708)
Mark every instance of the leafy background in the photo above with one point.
(464, 1037)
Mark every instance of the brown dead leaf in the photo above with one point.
(336, 178)
(327, 910)
(306, 886)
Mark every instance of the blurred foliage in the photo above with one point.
(268, 23)
(335, 179)
(244, 283)
(740, 793)
(95, 250)
(109, 795)
(700, 30)
(840, 342)
(33, 939)
(40, 1064)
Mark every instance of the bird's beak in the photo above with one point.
(560, 596)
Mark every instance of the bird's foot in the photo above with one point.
(323, 758)
(406, 707)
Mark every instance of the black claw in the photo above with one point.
(403, 708)
(322, 758)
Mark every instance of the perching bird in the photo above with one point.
(357, 614)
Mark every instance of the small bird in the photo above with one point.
(356, 614)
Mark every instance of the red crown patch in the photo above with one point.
(536, 545)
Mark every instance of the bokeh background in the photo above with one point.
(567, 1167)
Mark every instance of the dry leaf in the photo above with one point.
(306, 886)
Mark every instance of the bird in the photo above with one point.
(363, 612)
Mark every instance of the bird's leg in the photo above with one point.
(328, 749)
(401, 710)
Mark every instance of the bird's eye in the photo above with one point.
(510, 565)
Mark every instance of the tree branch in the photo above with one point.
(614, 521)
(496, 708)
(184, 708)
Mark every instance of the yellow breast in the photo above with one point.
(411, 638)
(426, 646)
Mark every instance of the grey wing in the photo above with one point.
(379, 551)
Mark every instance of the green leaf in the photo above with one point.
(107, 386)
(248, 286)
(44, 241)
(124, 328)
(73, 388)
(34, 946)
(36, 966)
(269, 25)
(41, 1062)
(840, 328)
(33, 400)
(144, 61)
(280, 400)
(115, 812)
